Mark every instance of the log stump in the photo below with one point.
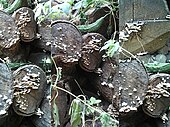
(9, 35)
(46, 38)
(124, 85)
(91, 56)
(157, 99)
(130, 86)
(66, 48)
(6, 89)
(29, 85)
(24, 19)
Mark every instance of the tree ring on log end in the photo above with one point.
(6, 89)
(29, 85)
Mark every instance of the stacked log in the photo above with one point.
(91, 56)
(66, 49)
(157, 99)
(44, 120)
(6, 90)
(29, 85)
(9, 35)
(24, 19)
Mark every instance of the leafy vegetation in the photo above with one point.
(111, 47)
(80, 109)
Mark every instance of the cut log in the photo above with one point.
(29, 85)
(91, 56)
(9, 35)
(6, 89)
(66, 48)
(157, 99)
(130, 82)
(123, 85)
(105, 79)
(24, 19)
(45, 119)
(46, 38)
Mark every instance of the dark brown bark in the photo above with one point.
(108, 26)
(91, 55)
(66, 48)
(63, 101)
(157, 99)
(46, 38)
(45, 119)
(9, 35)
(24, 19)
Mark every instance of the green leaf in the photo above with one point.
(107, 120)
(93, 101)
(55, 115)
(107, 45)
(47, 8)
(111, 47)
(75, 112)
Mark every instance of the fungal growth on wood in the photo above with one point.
(66, 48)
(6, 90)
(24, 19)
(157, 98)
(9, 35)
(29, 85)
(91, 56)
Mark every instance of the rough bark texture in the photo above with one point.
(63, 101)
(108, 26)
(45, 119)
(46, 38)
(105, 78)
(9, 35)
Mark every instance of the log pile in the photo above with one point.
(27, 99)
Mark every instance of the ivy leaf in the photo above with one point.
(107, 45)
(47, 8)
(75, 112)
(111, 47)
(93, 101)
